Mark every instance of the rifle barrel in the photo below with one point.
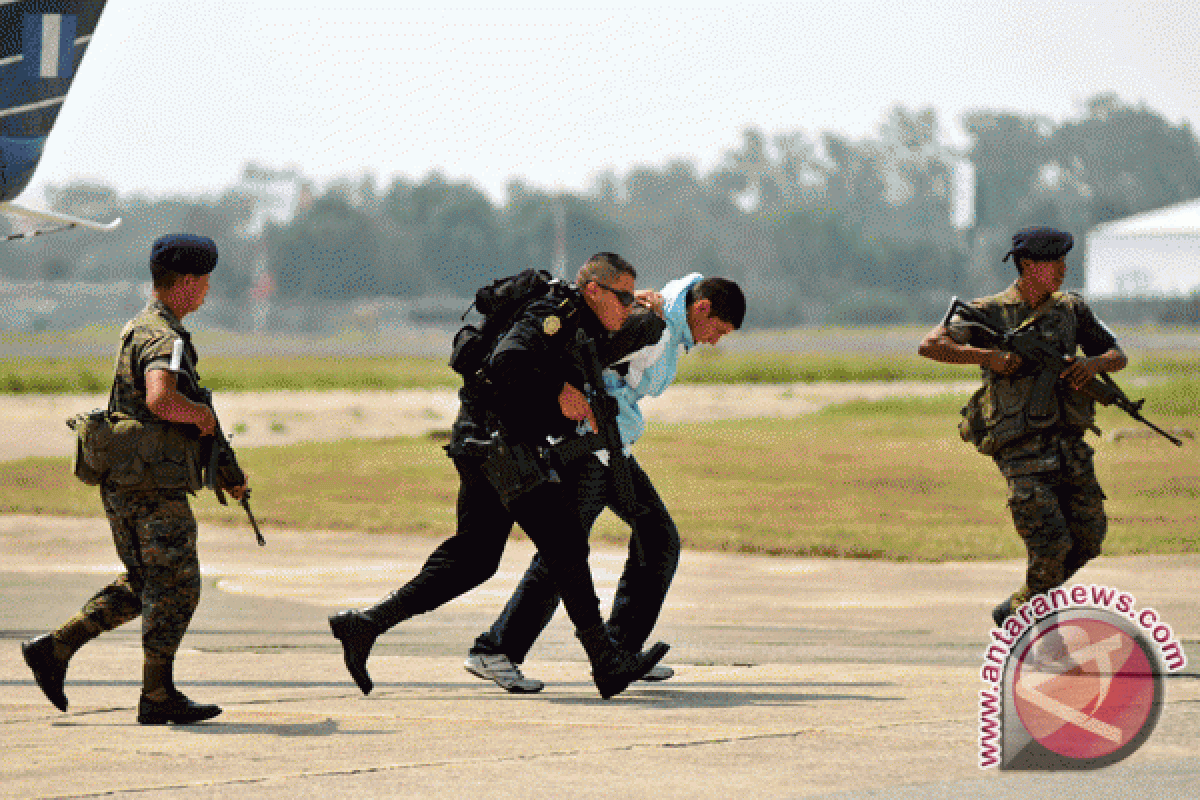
(1172, 439)
(245, 504)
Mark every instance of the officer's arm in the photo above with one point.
(938, 345)
(164, 400)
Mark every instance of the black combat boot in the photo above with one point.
(1002, 612)
(358, 630)
(357, 634)
(161, 702)
(49, 670)
(613, 669)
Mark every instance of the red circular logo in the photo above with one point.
(1084, 688)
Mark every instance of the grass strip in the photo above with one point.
(888, 480)
(92, 374)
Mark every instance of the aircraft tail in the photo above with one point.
(42, 43)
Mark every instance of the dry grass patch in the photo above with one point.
(888, 480)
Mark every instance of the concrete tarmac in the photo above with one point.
(795, 678)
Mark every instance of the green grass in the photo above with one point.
(251, 373)
(93, 373)
(886, 480)
(21, 375)
(711, 365)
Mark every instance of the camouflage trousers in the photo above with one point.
(155, 535)
(1057, 507)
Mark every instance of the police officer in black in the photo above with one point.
(533, 394)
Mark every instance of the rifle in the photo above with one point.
(220, 452)
(1038, 355)
(221, 457)
(604, 407)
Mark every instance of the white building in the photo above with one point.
(1156, 253)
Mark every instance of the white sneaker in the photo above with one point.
(505, 673)
(659, 673)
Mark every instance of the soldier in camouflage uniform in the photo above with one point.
(1033, 424)
(159, 428)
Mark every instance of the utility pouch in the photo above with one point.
(514, 470)
(127, 452)
(1042, 408)
(1001, 413)
(92, 432)
(973, 425)
(112, 447)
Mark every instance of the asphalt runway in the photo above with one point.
(795, 678)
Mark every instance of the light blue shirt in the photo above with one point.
(652, 369)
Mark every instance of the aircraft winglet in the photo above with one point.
(63, 220)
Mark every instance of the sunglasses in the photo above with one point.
(623, 297)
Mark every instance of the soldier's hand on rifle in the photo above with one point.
(164, 400)
(575, 406)
(239, 492)
(1002, 362)
(207, 422)
(1081, 372)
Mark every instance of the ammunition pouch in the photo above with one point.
(513, 469)
(92, 433)
(1005, 411)
(1079, 411)
(973, 425)
(134, 454)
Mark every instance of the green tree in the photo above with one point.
(330, 253)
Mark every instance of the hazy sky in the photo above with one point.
(175, 96)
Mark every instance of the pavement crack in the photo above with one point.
(509, 759)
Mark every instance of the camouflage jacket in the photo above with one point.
(154, 453)
(1008, 410)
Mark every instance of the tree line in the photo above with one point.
(818, 229)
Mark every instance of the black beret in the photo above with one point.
(1040, 244)
(185, 253)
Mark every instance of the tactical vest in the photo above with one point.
(127, 445)
(1009, 409)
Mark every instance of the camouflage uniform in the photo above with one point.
(145, 498)
(1035, 428)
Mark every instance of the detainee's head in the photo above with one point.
(715, 307)
(607, 283)
(180, 265)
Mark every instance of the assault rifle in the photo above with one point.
(604, 407)
(222, 459)
(1039, 355)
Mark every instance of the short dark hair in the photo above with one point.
(604, 267)
(162, 277)
(725, 296)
